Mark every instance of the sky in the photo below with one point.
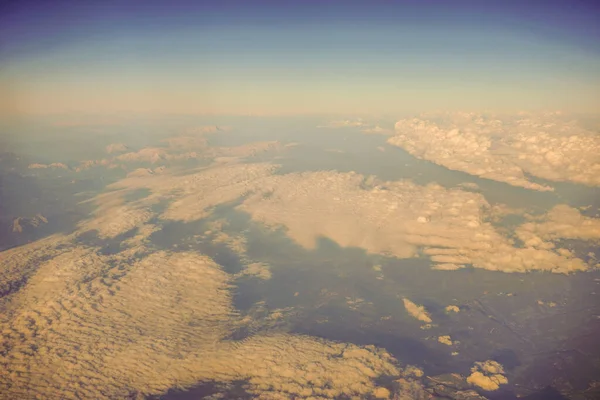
(298, 57)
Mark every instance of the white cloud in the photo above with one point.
(451, 226)
(488, 375)
(448, 225)
(95, 326)
(417, 311)
(257, 269)
(452, 308)
(561, 222)
(445, 339)
(378, 130)
(506, 150)
(116, 148)
(113, 216)
(44, 166)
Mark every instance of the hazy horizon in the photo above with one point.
(276, 58)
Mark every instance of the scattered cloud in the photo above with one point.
(488, 375)
(446, 339)
(561, 222)
(116, 148)
(452, 308)
(257, 269)
(417, 311)
(44, 166)
(381, 393)
(18, 263)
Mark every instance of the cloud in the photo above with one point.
(91, 325)
(44, 166)
(417, 311)
(94, 163)
(116, 148)
(190, 196)
(449, 225)
(488, 375)
(148, 154)
(445, 339)
(87, 325)
(378, 130)
(506, 150)
(381, 393)
(452, 308)
(113, 216)
(193, 195)
(257, 269)
(344, 124)
(561, 222)
(18, 263)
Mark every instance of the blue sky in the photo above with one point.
(284, 57)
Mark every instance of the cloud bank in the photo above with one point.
(88, 325)
(402, 219)
(507, 150)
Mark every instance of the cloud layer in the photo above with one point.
(507, 150)
(93, 326)
(402, 219)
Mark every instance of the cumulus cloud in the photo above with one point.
(452, 308)
(180, 149)
(488, 375)
(91, 325)
(449, 225)
(94, 163)
(148, 154)
(114, 216)
(257, 269)
(116, 148)
(174, 150)
(561, 222)
(236, 243)
(417, 311)
(445, 339)
(88, 325)
(45, 166)
(191, 197)
(506, 150)
(18, 263)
